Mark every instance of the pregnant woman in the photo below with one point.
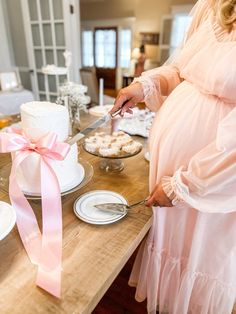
(187, 264)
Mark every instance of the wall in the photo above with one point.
(6, 61)
(17, 34)
(147, 14)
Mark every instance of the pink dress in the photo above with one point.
(187, 264)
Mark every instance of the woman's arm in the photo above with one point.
(150, 87)
(158, 83)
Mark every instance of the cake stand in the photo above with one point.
(6, 169)
(112, 164)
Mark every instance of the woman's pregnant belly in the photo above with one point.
(186, 123)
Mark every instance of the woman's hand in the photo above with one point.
(158, 197)
(130, 95)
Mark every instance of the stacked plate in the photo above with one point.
(85, 210)
(138, 123)
(100, 111)
(7, 219)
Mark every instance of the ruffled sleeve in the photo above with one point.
(169, 187)
(209, 182)
(158, 83)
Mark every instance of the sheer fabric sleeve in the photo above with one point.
(209, 182)
(160, 82)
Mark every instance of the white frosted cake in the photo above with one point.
(37, 119)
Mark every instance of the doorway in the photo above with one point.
(105, 55)
(49, 27)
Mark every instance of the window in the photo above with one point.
(87, 48)
(180, 25)
(173, 30)
(125, 47)
(105, 48)
(102, 44)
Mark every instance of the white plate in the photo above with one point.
(85, 210)
(7, 219)
(88, 169)
(76, 181)
(16, 125)
(100, 111)
(54, 70)
(147, 156)
(133, 127)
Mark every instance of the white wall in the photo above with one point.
(72, 36)
(147, 13)
(5, 53)
(17, 36)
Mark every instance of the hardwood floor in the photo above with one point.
(119, 299)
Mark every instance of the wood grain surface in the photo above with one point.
(92, 255)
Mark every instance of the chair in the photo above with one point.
(89, 79)
(12, 93)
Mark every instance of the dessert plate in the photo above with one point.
(147, 156)
(100, 111)
(7, 219)
(139, 123)
(16, 125)
(84, 207)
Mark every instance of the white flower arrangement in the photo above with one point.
(73, 96)
(76, 95)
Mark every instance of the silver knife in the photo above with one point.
(89, 129)
(93, 126)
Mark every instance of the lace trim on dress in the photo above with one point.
(169, 185)
(148, 86)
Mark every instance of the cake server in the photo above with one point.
(118, 208)
(93, 126)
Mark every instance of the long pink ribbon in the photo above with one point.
(44, 249)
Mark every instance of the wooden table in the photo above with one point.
(92, 255)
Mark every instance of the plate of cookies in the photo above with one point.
(116, 145)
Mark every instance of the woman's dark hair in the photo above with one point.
(142, 49)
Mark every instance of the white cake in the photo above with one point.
(37, 119)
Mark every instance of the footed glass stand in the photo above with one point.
(112, 164)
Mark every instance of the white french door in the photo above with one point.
(105, 55)
(49, 32)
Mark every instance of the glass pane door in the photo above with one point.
(105, 48)
(87, 48)
(105, 52)
(48, 41)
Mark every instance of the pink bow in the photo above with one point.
(44, 249)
